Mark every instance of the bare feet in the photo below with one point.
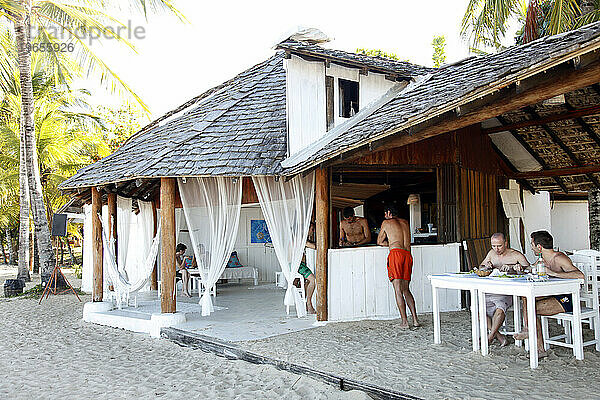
(502, 339)
(416, 322)
(524, 334)
(403, 325)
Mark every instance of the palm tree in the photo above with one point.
(72, 17)
(486, 22)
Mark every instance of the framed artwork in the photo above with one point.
(259, 233)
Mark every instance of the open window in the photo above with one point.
(348, 98)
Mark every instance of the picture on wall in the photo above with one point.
(259, 233)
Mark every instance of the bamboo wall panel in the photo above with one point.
(447, 205)
(478, 204)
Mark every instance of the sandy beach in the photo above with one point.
(74, 359)
(48, 352)
(380, 353)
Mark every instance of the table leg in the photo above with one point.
(483, 321)
(474, 320)
(436, 316)
(576, 327)
(532, 325)
(517, 318)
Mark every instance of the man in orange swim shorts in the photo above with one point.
(395, 233)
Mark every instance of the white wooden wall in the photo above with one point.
(359, 288)
(372, 87)
(255, 254)
(305, 97)
(305, 102)
(570, 225)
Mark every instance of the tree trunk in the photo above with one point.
(42, 230)
(23, 218)
(11, 250)
(3, 250)
(594, 218)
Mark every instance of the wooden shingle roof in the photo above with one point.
(237, 128)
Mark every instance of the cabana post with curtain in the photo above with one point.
(312, 130)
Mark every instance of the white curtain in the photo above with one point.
(287, 207)
(124, 214)
(140, 242)
(212, 213)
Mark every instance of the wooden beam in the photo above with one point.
(112, 223)
(167, 235)
(558, 141)
(561, 79)
(571, 114)
(586, 169)
(98, 278)
(322, 236)
(531, 152)
(154, 275)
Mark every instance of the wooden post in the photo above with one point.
(154, 276)
(322, 237)
(97, 287)
(167, 235)
(112, 223)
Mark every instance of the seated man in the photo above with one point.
(182, 264)
(310, 280)
(558, 265)
(354, 231)
(504, 259)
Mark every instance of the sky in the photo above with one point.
(176, 61)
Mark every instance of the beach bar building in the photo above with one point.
(506, 142)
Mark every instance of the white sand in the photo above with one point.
(48, 352)
(379, 353)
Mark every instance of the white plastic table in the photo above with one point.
(509, 286)
(460, 282)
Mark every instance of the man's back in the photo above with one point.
(397, 231)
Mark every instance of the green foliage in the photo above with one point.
(379, 53)
(120, 123)
(439, 51)
(485, 22)
(77, 270)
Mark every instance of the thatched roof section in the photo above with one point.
(237, 128)
(445, 91)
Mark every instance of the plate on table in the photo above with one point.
(508, 276)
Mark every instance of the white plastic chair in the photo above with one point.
(300, 290)
(589, 309)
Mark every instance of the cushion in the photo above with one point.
(234, 261)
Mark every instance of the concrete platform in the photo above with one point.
(242, 312)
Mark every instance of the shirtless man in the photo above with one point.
(558, 265)
(395, 233)
(354, 230)
(504, 259)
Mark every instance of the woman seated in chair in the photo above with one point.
(182, 264)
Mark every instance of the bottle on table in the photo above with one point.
(541, 266)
